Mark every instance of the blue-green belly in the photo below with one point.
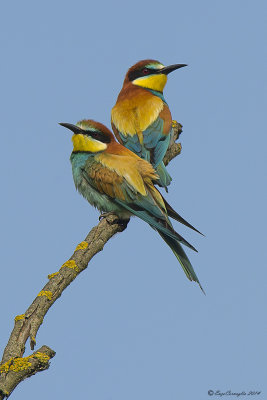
(101, 201)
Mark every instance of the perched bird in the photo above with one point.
(141, 119)
(114, 179)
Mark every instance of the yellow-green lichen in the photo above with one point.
(42, 357)
(50, 276)
(17, 364)
(46, 293)
(4, 368)
(174, 123)
(81, 246)
(70, 264)
(19, 317)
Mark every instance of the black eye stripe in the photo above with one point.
(144, 71)
(98, 136)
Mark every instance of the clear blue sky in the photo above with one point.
(132, 326)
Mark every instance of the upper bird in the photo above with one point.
(141, 118)
(114, 179)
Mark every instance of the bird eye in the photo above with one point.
(145, 71)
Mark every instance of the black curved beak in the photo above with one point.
(74, 128)
(170, 68)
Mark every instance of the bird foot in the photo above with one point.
(105, 215)
(114, 220)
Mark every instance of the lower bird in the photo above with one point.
(114, 179)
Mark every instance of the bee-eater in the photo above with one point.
(114, 179)
(141, 118)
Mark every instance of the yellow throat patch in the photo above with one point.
(154, 82)
(86, 143)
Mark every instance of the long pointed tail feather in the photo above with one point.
(156, 223)
(173, 214)
(182, 258)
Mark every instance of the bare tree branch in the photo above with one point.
(14, 368)
(174, 148)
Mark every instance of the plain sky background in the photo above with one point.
(132, 326)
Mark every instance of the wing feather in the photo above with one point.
(124, 189)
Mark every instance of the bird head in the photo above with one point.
(150, 74)
(89, 136)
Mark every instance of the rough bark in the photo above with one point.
(14, 368)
